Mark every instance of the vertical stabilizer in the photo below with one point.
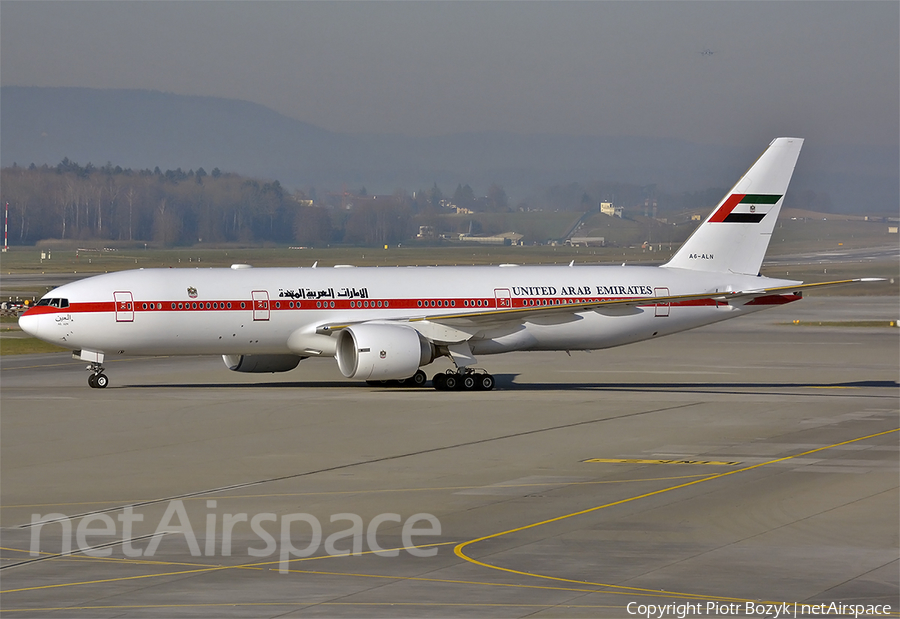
(735, 236)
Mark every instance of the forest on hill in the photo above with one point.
(70, 201)
(177, 208)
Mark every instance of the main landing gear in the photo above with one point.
(463, 380)
(460, 380)
(97, 380)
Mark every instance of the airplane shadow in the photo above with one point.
(845, 389)
(507, 382)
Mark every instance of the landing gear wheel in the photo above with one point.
(418, 379)
(485, 382)
(92, 381)
(438, 381)
(469, 382)
(451, 382)
(101, 381)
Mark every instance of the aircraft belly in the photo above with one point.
(173, 334)
(599, 331)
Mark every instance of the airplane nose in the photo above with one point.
(29, 324)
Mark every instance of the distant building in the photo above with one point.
(425, 232)
(607, 208)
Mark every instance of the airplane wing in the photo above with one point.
(471, 322)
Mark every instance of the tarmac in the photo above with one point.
(749, 463)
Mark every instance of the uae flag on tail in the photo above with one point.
(745, 208)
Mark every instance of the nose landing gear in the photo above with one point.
(97, 380)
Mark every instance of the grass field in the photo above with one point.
(26, 346)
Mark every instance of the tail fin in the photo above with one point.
(735, 236)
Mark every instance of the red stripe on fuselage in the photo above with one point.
(341, 304)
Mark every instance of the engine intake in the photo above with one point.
(377, 351)
(258, 364)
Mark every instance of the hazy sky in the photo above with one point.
(826, 71)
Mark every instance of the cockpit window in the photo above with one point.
(60, 303)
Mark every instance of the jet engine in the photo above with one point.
(261, 363)
(378, 351)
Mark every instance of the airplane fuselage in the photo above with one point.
(279, 310)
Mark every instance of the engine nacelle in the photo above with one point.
(258, 364)
(378, 351)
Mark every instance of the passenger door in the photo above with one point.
(662, 309)
(260, 304)
(124, 306)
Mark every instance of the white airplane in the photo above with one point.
(384, 324)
